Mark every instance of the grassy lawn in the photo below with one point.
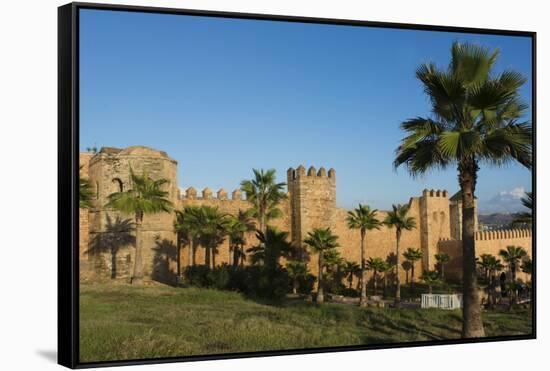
(120, 321)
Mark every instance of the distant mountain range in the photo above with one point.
(496, 221)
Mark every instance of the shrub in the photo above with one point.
(197, 275)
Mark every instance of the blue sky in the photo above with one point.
(223, 96)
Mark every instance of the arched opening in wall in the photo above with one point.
(435, 216)
(97, 190)
(120, 185)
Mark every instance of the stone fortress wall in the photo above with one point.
(311, 203)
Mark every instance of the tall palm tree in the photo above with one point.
(237, 226)
(442, 259)
(407, 266)
(187, 229)
(525, 218)
(84, 193)
(352, 269)
(213, 226)
(144, 196)
(397, 218)
(363, 219)
(475, 120)
(296, 270)
(493, 266)
(376, 265)
(273, 246)
(430, 278)
(264, 193)
(320, 240)
(513, 255)
(412, 255)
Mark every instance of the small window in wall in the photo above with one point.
(120, 186)
(435, 215)
(97, 190)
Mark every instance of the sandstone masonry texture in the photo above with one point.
(310, 203)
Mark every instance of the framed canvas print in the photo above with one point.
(240, 185)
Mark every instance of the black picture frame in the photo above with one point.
(68, 177)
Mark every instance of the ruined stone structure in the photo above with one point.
(311, 203)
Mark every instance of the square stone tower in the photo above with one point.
(434, 224)
(312, 200)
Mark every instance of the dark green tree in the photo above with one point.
(476, 119)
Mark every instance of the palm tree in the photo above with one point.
(213, 226)
(525, 218)
(351, 269)
(321, 240)
(264, 193)
(389, 264)
(483, 262)
(187, 229)
(363, 219)
(84, 193)
(237, 226)
(493, 266)
(527, 266)
(376, 265)
(475, 119)
(412, 255)
(430, 278)
(144, 196)
(397, 218)
(296, 270)
(442, 259)
(273, 246)
(407, 266)
(513, 255)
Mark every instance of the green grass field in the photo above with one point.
(120, 321)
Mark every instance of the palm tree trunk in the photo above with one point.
(178, 256)
(491, 296)
(207, 256)
(137, 278)
(363, 298)
(375, 285)
(412, 274)
(262, 221)
(385, 284)
(242, 256)
(513, 291)
(397, 278)
(472, 325)
(213, 257)
(320, 291)
(191, 253)
(236, 255)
